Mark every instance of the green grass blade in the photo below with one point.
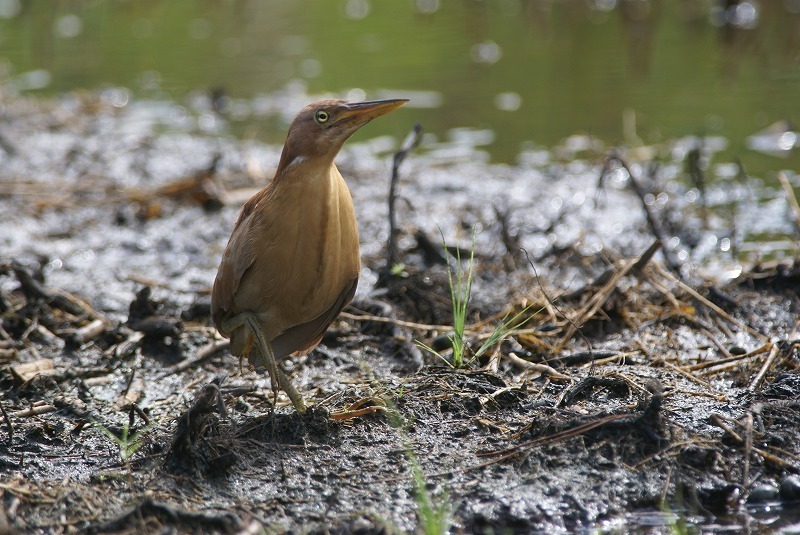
(429, 349)
(502, 330)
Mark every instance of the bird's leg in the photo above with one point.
(266, 355)
(248, 320)
(294, 395)
(272, 370)
(276, 374)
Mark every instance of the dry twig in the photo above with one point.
(773, 355)
(696, 295)
(791, 198)
(720, 421)
(534, 367)
(36, 410)
(412, 141)
(599, 299)
(204, 353)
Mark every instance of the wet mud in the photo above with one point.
(636, 391)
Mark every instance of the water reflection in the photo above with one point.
(536, 73)
(777, 139)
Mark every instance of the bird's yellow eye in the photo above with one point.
(322, 116)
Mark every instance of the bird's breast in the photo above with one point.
(313, 255)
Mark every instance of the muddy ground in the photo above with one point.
(640, 393)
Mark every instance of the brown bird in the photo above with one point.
(292, 262)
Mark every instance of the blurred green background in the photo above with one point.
(529, 71)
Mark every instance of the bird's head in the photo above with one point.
(320, 129)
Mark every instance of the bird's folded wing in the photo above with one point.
(236, 260)
(305, 336)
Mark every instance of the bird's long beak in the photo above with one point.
(360, 113)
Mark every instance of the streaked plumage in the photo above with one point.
(292, 261)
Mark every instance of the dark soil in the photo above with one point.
(633, 396)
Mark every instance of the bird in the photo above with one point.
(292, 261)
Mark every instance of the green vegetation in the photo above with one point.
(127, 442)
(433, 519)
(460, 292)
(460, 281)
(433, 512)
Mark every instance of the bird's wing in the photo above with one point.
(236, 260)
(305, 336)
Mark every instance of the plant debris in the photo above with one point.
(629, 385)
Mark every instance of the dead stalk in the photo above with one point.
(791, 198)
(773, 355)
(540, 368)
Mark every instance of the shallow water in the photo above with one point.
(516, 74)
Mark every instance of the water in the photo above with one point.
(507, 81)
(530, 72)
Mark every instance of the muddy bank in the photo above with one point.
(633, 394)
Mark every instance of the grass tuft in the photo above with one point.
(460, 281)
(433, 512)
(433, 519)
(127, 442)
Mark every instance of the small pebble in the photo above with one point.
(790, 488)
(763, 494)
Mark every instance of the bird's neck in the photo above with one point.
(303, 171)
(300, 164)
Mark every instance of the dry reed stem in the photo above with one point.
(402, 323)
(791, 198)
(732, 358)
(19, 490)
(595, 303)
(717, 343)
(613, 358)
(686, 374)
(720, 421)
(34, 411)
(773, 355)
(720, 369)
(534, 367)
(696, 295)
(532, 342)
(90, 331)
